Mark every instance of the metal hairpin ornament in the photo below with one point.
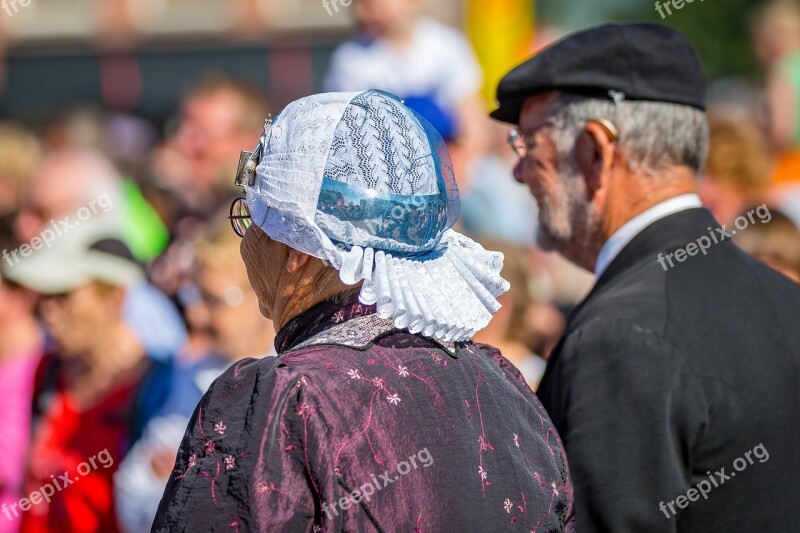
(617, 96)
(248, 160)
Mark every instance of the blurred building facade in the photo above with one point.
(137, 55)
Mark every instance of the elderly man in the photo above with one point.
(675, 387)
(379, 413)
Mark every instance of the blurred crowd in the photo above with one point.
(123, 295)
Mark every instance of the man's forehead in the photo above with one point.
(537, 109)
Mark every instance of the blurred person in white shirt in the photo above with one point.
(402, 51)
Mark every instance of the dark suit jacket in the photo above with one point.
(665, 376)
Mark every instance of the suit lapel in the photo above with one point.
(665, 234)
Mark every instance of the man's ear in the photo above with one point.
(595, 154)
(296, 261)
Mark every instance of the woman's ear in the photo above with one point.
(296, 260)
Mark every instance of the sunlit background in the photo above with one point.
(137, 55)
(128, 116)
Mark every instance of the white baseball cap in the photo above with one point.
(89, 252)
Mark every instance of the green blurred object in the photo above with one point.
(719, 29)
(789, 67)
(720, 32)
(144, 231)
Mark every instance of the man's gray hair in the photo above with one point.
(653, 135)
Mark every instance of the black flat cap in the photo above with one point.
(637, 61)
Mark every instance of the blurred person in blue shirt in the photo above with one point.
(225, 326)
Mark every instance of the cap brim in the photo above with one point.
(37, 273)
(508, 111)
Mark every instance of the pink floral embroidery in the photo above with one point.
(508, 505)
(402, 371)
(482, 473)
(303, 381)
(378, 382)
(230, 462)
(303, 408)
(354, 374)
(220, 428)
(209, 446)
(192, 460)
(394, 399)
(516, 440)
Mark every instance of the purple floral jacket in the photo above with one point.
(356, 426)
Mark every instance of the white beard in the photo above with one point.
(568, 215)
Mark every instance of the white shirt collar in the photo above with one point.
(625, 234)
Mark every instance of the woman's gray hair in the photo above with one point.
(653, 135)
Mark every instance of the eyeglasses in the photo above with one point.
(240, 216)
(522, 144)
(246, 177)
(518, 143)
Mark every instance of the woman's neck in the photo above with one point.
(305, 295)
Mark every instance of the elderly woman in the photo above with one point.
(378, 414)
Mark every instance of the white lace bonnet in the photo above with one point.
(365, 183)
